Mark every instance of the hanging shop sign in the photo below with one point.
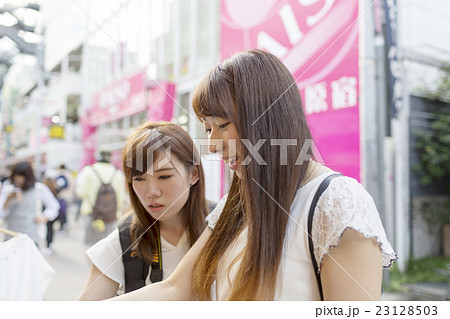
(56, 132)
(118, 100)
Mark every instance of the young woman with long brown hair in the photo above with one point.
(256, 243)
(166, 185)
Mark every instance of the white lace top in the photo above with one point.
(344, 204)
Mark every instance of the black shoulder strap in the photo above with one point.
(136, 269)
(157, 272)
(322, 187)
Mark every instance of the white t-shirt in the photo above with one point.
(106, 255)
(344, 204)
(24, 273)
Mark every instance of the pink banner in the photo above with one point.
(89, 142)
(318, 41)
(118, 100)
(161, 99)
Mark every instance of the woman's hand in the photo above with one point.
(178, 286)
(40, 219)
(13, 194)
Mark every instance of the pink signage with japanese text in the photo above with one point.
(120, 99)
(318, 41)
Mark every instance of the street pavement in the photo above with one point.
(68, 260)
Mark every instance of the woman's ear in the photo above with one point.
(193, 175)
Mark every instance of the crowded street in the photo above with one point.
(226, 150)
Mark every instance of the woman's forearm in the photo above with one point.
(160, 291)
(6, 204)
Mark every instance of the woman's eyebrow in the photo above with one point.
(164, 169)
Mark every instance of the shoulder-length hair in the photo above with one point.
(257, 93)
(141, 150)
(24, 169)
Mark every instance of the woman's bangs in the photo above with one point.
(212, 97)
(144, 153)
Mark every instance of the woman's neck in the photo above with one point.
(172, 229)
(314, 169)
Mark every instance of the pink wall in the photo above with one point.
(318, 42)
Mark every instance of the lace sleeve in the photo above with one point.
(213, 217)
(346, 204)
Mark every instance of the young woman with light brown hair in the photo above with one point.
(256, 243)
(166, 185)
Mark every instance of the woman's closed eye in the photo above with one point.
(220, 127)
(165, 176)
(224, 125)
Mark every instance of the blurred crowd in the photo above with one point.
(38, 204)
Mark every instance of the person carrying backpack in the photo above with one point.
(101, 187)
(168, 213)
(64, 185)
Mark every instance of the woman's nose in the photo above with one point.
(215, 144)
(153, 191)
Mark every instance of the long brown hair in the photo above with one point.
(257, 93)
(152, 138)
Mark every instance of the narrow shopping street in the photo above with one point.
(318, 129)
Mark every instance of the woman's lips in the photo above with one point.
(232, 163)
(154, 208)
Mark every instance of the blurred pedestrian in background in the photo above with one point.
(167, 217)
(51, 184)
(64, 186)
(101, 187)
(22, 202)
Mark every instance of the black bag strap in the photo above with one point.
(136, 269)
(322, 187)
(157, 273)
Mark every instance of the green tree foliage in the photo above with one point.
(434, 151)
(434, 145)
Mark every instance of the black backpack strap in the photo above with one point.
(136, 269)
(157, 273)
(322, 187)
